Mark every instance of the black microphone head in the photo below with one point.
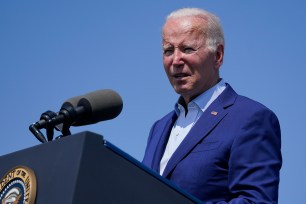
(99, 105)
(69, 105)
(72, 102)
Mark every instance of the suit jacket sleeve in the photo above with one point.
(255, 161)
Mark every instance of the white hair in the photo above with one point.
(212, 27)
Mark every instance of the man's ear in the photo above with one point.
(219, 56)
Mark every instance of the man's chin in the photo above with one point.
(183, 91)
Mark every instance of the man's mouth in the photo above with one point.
(180, 75)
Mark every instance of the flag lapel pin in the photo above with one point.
(214, 113)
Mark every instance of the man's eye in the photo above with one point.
(188, 50)
(168, 52)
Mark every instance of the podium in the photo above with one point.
(84, 168)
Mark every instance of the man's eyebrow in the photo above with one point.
(167, 46)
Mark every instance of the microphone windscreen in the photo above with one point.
(99, 105)
(72, 102)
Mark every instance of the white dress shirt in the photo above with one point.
(185, 122)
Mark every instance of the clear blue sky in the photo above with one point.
(53, 50)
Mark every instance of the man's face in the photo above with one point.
(191, 68)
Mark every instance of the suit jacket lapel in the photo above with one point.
(168, 124)
(209, 119)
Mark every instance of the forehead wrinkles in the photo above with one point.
(183, 29)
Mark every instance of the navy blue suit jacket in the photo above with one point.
(231, 155)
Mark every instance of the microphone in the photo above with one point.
(93, 107)
(70, 103)
(81, 110)
(73, 102)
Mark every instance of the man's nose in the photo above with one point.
(177, 57)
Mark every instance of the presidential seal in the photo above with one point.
(18, 186)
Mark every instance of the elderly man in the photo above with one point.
(217, 145)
